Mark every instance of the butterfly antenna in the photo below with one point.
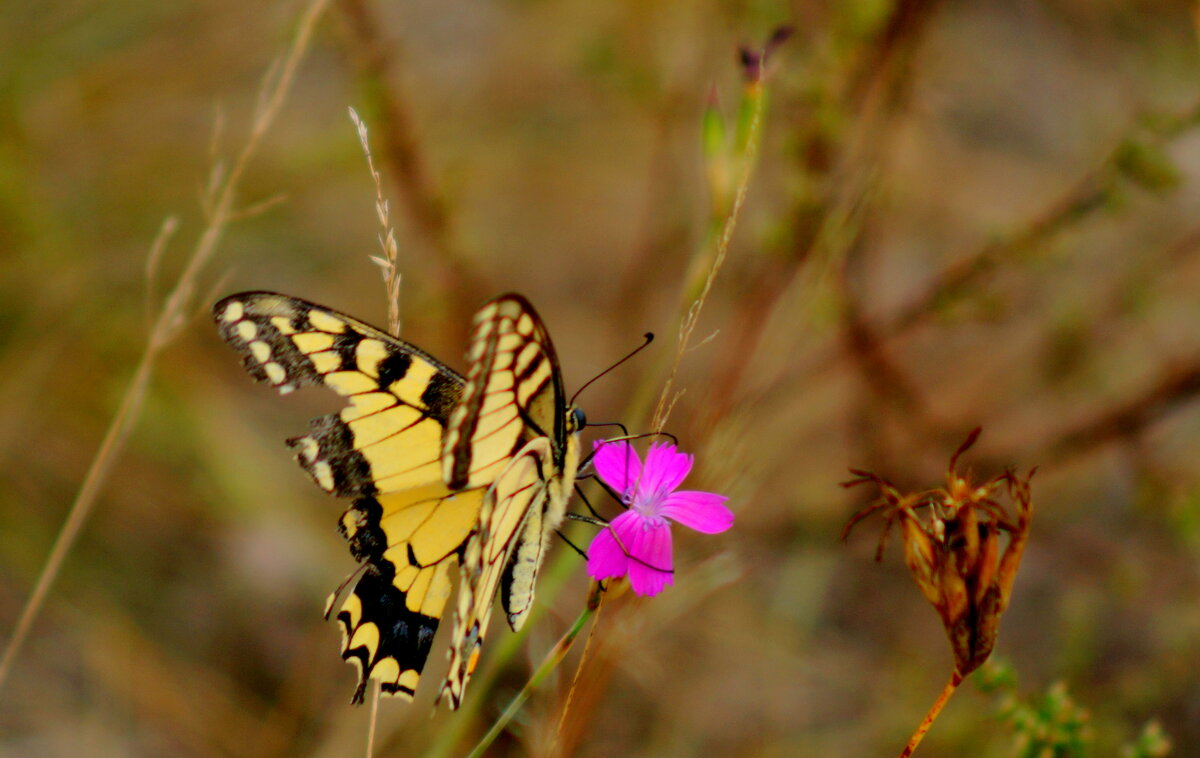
(642, 436)
(617, 424)
(649, 337)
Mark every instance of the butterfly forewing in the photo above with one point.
(509, 435)
(384, 449)
(513, 394)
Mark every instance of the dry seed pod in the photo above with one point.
(953, 549)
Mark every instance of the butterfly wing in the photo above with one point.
(510, 434)
(384, 449)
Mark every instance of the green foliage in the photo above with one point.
(1147, 165)
(1151, 743)
(1053, 724)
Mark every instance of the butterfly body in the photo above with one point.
(445, 470)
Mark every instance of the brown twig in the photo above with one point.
(952, 685)
(876, 368)
(1128, 418)
(884, 75)
(1087, 194)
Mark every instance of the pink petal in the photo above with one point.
(617, 464)
(703, 511)
(666, 469)
(650, 559)
(606, 558)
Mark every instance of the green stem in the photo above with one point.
(548, 664)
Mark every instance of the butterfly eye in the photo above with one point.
(578, 420)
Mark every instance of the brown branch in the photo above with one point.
(1129, 418)
(878, 371)
(375, 58)
(887, 58)
(1089, 193)
(934, 711)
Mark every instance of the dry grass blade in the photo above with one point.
(390, 263)
(373, 720)
(668, 397)
(596, 600)
(167, 325)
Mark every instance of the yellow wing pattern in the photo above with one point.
(444, 472)
(383, 449)
(512, 433)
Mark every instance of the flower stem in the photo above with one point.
(955, 680)
(548, 664)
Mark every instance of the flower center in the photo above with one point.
(648, 504)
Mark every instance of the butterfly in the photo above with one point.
(444, 471)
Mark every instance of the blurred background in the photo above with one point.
(961, 214)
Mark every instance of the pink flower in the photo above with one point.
(638, 542)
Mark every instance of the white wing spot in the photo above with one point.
(275, 372)
(309, 449)
(247, 330)
(234, 311)
(260, 350)
(324, 476)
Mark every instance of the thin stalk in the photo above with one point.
(595, 601)
(952, 685)
(114, 441)
(373, 720)
(697, 288)
(548, 664)
(170, 320)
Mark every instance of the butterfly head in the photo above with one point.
(576, 421)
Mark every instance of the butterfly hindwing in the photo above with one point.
(409, 543)
(512, 434)
(384, 449)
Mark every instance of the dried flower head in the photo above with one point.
(953, 549)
